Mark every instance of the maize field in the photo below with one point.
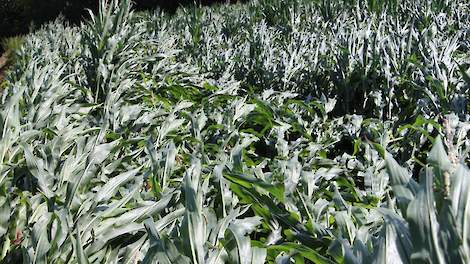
(301, 131)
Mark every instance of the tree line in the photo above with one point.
(18, 17)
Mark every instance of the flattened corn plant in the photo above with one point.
(258, 133)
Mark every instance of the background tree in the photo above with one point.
(18, 17)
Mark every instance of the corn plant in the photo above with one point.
(256, 133)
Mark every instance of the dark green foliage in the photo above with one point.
(18, 17)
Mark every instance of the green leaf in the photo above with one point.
(437, 157)
(395, 240)
(161, 249)
(193, 227)
(404, 187)
(110, 187)
(5, 211)
(258, 255)
(302, 250)
(249, 182)
(450, 240)
(460, 201)
(41, 241)
(399, 175)
(345, 225)
(237, 245)
(424, 228)
(81, 257)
